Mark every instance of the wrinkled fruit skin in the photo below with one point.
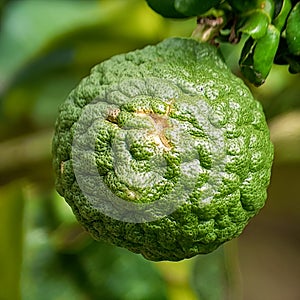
(221, 151)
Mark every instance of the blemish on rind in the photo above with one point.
(62, 167)
(113, 115)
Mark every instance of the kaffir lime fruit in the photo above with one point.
(163, 151)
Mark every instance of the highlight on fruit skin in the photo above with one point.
(163, 151)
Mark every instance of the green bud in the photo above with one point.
(280, 18)
(256, 25)
(258, 55)
(293, 30)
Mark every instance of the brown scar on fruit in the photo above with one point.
(113, 115)
(160, 123)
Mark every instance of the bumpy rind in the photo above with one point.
(183, 75)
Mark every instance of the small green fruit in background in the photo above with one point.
(163, 151)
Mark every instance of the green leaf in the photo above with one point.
(256, 24)
(194, 7)
(62, 262)
(283, 57)
(33, 21)
(258, 55)
(280, 18)
(166, 8)
(34, 81)
(11, 239)
(266, 6)
(293, 30)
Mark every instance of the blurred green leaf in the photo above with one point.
(34, 81)
(280, 93)
(62, 262)
(30, 25)
(11, 239)
(215, 275)
(285, 135)
(29, 155)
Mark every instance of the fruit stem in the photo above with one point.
(208, 29)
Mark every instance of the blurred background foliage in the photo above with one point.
(46, 47)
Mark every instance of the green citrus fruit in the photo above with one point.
(163, 151)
